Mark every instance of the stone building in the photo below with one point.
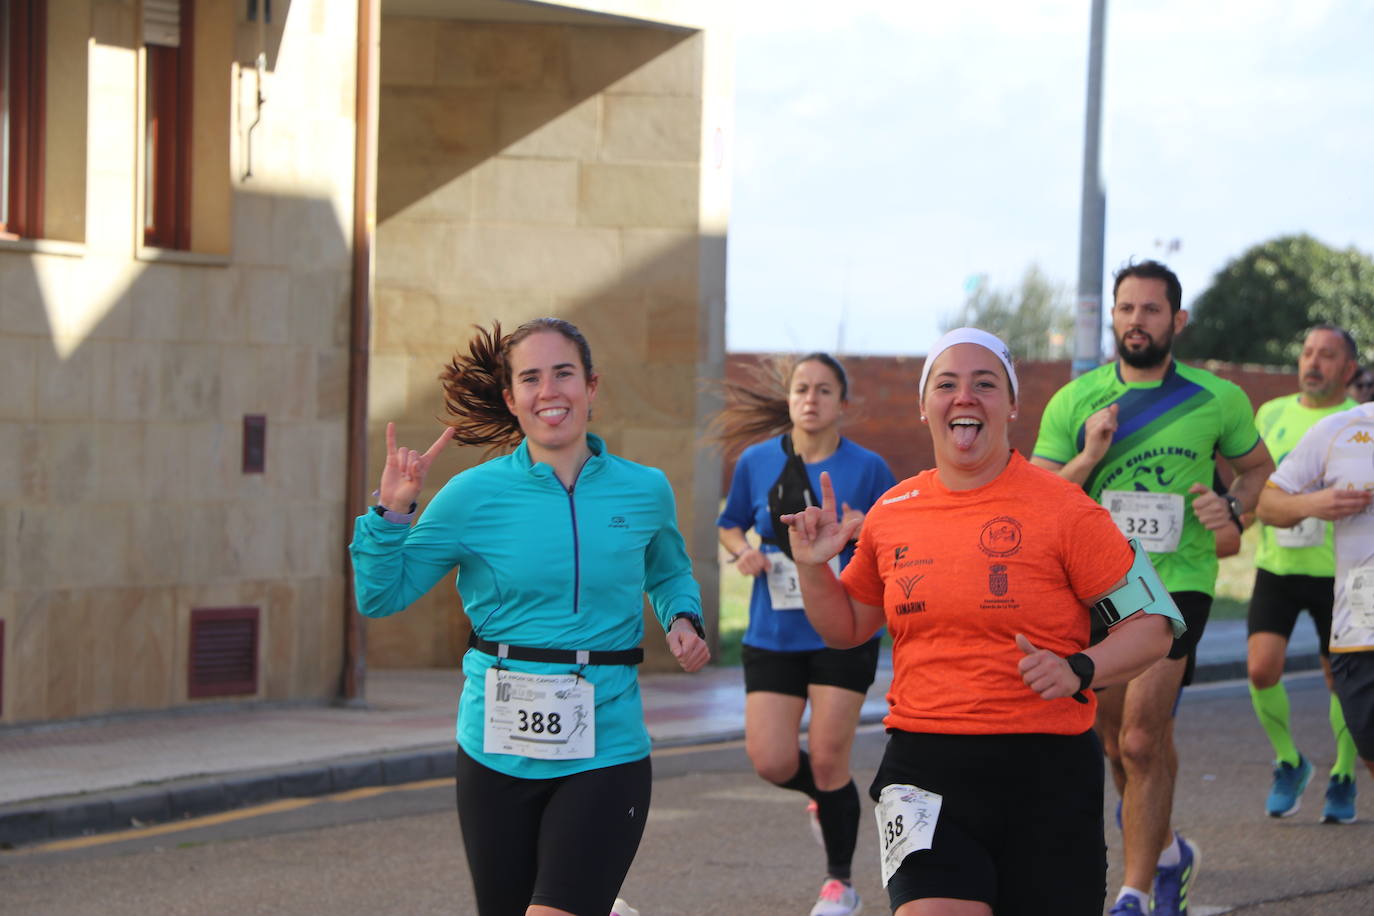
(239, 236)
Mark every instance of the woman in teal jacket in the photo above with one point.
(555, 543)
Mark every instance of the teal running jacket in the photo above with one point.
(544, 566)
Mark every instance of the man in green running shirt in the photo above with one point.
(1139, 435)
(1295, 569)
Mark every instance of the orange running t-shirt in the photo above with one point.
(960, 572)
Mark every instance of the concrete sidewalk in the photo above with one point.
(110, 774)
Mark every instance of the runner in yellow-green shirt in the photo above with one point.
(1294, 571)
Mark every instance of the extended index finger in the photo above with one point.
(827, 495)
(390, 439)
(441, 443)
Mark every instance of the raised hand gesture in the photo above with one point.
(818, 533)
(1098, 431)
(405, 470)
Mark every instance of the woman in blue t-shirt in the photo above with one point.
(786, 664)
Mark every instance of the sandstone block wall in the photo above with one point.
(125, 374)
(545, 169)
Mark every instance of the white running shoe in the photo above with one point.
(837, 899)
(621, 908)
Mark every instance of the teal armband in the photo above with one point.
(1143, 591)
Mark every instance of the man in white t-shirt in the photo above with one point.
(1330, 475)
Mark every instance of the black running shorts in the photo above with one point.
(1353, 675)
(1278, 600)
(565, 842)
(792, 672)
(1020, 825)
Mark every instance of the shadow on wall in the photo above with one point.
(456, 93)
(559, 219)
(125, 387)
(648, 335)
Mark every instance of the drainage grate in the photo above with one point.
(223, 660)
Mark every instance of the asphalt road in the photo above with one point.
(718, 841)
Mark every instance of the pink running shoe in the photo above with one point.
(837, 899)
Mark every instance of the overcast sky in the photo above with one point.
(889, 151)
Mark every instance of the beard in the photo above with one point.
(1151, 356)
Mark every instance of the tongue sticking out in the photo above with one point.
(964, 435)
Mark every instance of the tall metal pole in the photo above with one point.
(1087, 344)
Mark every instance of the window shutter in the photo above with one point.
(162, 22)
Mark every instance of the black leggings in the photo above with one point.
(565, 842)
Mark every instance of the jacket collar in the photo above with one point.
(595, 444)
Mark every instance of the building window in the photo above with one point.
(167, 123)
(23, 32)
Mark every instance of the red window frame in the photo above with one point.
(167, 197)
(22, 78)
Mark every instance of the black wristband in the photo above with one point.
(1083, 666)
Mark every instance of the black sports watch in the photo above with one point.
(1083, 666)
(693, 619)
(1235, 508)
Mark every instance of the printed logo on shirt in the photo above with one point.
(908, 583)
(1361, 437)
(997, 579)
(618, 521)
(900, 561)
(1000, 537)
(906, 495)
(910, 607)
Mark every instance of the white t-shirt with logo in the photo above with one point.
(1339, 452)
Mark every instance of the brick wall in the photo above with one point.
(885, 413)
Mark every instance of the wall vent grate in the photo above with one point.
(223, 658)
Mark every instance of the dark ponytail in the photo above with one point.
(475, 383)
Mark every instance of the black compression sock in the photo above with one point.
(802, 780)
(838, 812)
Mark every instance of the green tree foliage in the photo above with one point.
(1260, 303)
(1034, 320)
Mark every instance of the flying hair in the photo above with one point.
(756, 408)
(473, 384)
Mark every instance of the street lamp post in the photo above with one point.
(1087, 348)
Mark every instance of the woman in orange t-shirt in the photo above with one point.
(983, 569)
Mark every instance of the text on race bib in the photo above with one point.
(542, 716)
(1154, 519)
(906, 823)
(784, 591)
(1359, 596)
(1310, 532)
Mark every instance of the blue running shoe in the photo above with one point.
(1340, 800)
(1285, 798)
(1128, 906)
(1172, 881)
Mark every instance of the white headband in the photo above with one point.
(983, 339)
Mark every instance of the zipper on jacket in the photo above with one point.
(577, 547)
(577, 561)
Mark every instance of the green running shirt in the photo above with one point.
(1167, 432)
(1282, 422)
